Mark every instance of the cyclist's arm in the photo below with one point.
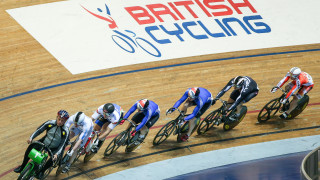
(294, 89)
(181, 100)
(145, 119)
(283, 80)
(194, 113)
(40, 129)
(131, 110)
(225, 89)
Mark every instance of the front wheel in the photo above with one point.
(164, 133)
(89, 155)
(26, 172)
(269, 110)
(208, 122)
(116, 143)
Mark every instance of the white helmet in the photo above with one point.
(79, 118)
(295, 72)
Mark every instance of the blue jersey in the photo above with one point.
(150, 111)
(203, 98)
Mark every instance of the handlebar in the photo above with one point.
(223, 102)
(177, 110)
(280, 89)
(46, 147)
(132, 123)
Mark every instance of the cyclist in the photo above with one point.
(56, 137)
(196, 96)
(301, 82)
(83, 125)
(106, 117)
(245, 88)
(147, 115)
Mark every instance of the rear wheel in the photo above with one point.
(269, 110)
(25, 174)
(119, 140)
(208, 122)
(227, 126)
(164, 133)
(302, 104)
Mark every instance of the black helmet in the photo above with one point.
(238, 81)
(108, 108)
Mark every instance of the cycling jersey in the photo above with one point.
(56, 136)
(151, 111)
(303, 80)
(203, 98)
(113, 118)
(85, 128)
(248, 87)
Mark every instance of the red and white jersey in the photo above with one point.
(304, 79)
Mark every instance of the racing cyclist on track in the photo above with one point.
(245, 88)
(147, 115)
(83, 126)
(106, 117)
(301, 82)
(197, 96)
(56, 138)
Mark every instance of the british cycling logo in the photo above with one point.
(128, 37)
(198, 30)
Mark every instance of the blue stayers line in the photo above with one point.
(153, 68)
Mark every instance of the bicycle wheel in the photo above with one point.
(157, 53)
(164, 133)
(62, 164)
(227, 126)
(89, 155)
(208, 122)
(302, 104)
(269, 110)
(26, 172)
(129, 49)
(133, 143)
(119, 140)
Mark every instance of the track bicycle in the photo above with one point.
(85, 150)
(174, 127)
(124, 139)
(219, 116)
(274, 106)
(37, 161)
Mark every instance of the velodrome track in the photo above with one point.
(34, 86)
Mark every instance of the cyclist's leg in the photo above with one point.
(304, 90)
(144, 130)
(186, 105)
(26, 158)
(250, 96)
(103, 137)
(233, 96)
(192, 122)
(48, 164)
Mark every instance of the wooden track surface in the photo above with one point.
(27, 66)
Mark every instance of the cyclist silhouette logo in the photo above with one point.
(128, 37)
